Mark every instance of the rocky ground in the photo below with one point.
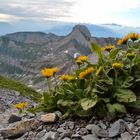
(48, 126)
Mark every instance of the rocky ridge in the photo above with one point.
(24, 54)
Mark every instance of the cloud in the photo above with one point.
(105, 11)
(49, 9)
(87, 11)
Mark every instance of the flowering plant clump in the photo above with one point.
(104, 89)
(21, 106)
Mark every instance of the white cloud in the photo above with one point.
(103, 11)
(89, 11)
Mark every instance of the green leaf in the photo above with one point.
(65, 103)
(83, 113)
(125, 95)
(129, 81)
(135, 104)
(87, 103)
(96, 48)
(115, 108)
(113, 53)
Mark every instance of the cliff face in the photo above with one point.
(23, 54)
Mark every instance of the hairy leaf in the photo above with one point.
(125, 95)
(87, 103)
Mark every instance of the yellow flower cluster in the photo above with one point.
(117, 65)
(132, 36)
(130, 55)
(99, 71)
(48, 72)
(108, 48)
(21, 105)
(65, 77)
(86, 72)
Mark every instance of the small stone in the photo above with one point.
(137, 138)
(14, 118)
(128, 118)
(61, 130)
(67, 133)
(50, 117)
(126, 136)
(66, 138)
(137, 129)
(40, 134)
(131, 126)
(92, 127)
(102, 133)
(117, 128)
(76, 136)
(102, 125)
(83, 131)
(90, 137)
(39, 128)
(138, 122)
(58, 113)
(50, 136)
(68, 125)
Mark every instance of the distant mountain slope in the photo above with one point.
(9, 84)
(64, 28)
(24, 54)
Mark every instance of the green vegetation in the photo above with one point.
(104, 89)
(21, 88)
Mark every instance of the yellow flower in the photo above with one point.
(132, 36)
(82, 75)
(66, 78)
(130, 55)
(86, 72)
(89, 70)
(48, 72)
(108, 48)
(21, 105)
(99, 71)
(82, 58)
(79, 62)
(55, 69)
(117, 65)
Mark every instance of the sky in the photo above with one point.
(124, 12)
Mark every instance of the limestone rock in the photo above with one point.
(117, 128)
(49, 117)
(19, 128)
(126, 136)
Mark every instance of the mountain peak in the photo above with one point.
(82, 29)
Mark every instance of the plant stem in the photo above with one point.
(56, 84)
(49, 85)
(130, 68)
(116, 77)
